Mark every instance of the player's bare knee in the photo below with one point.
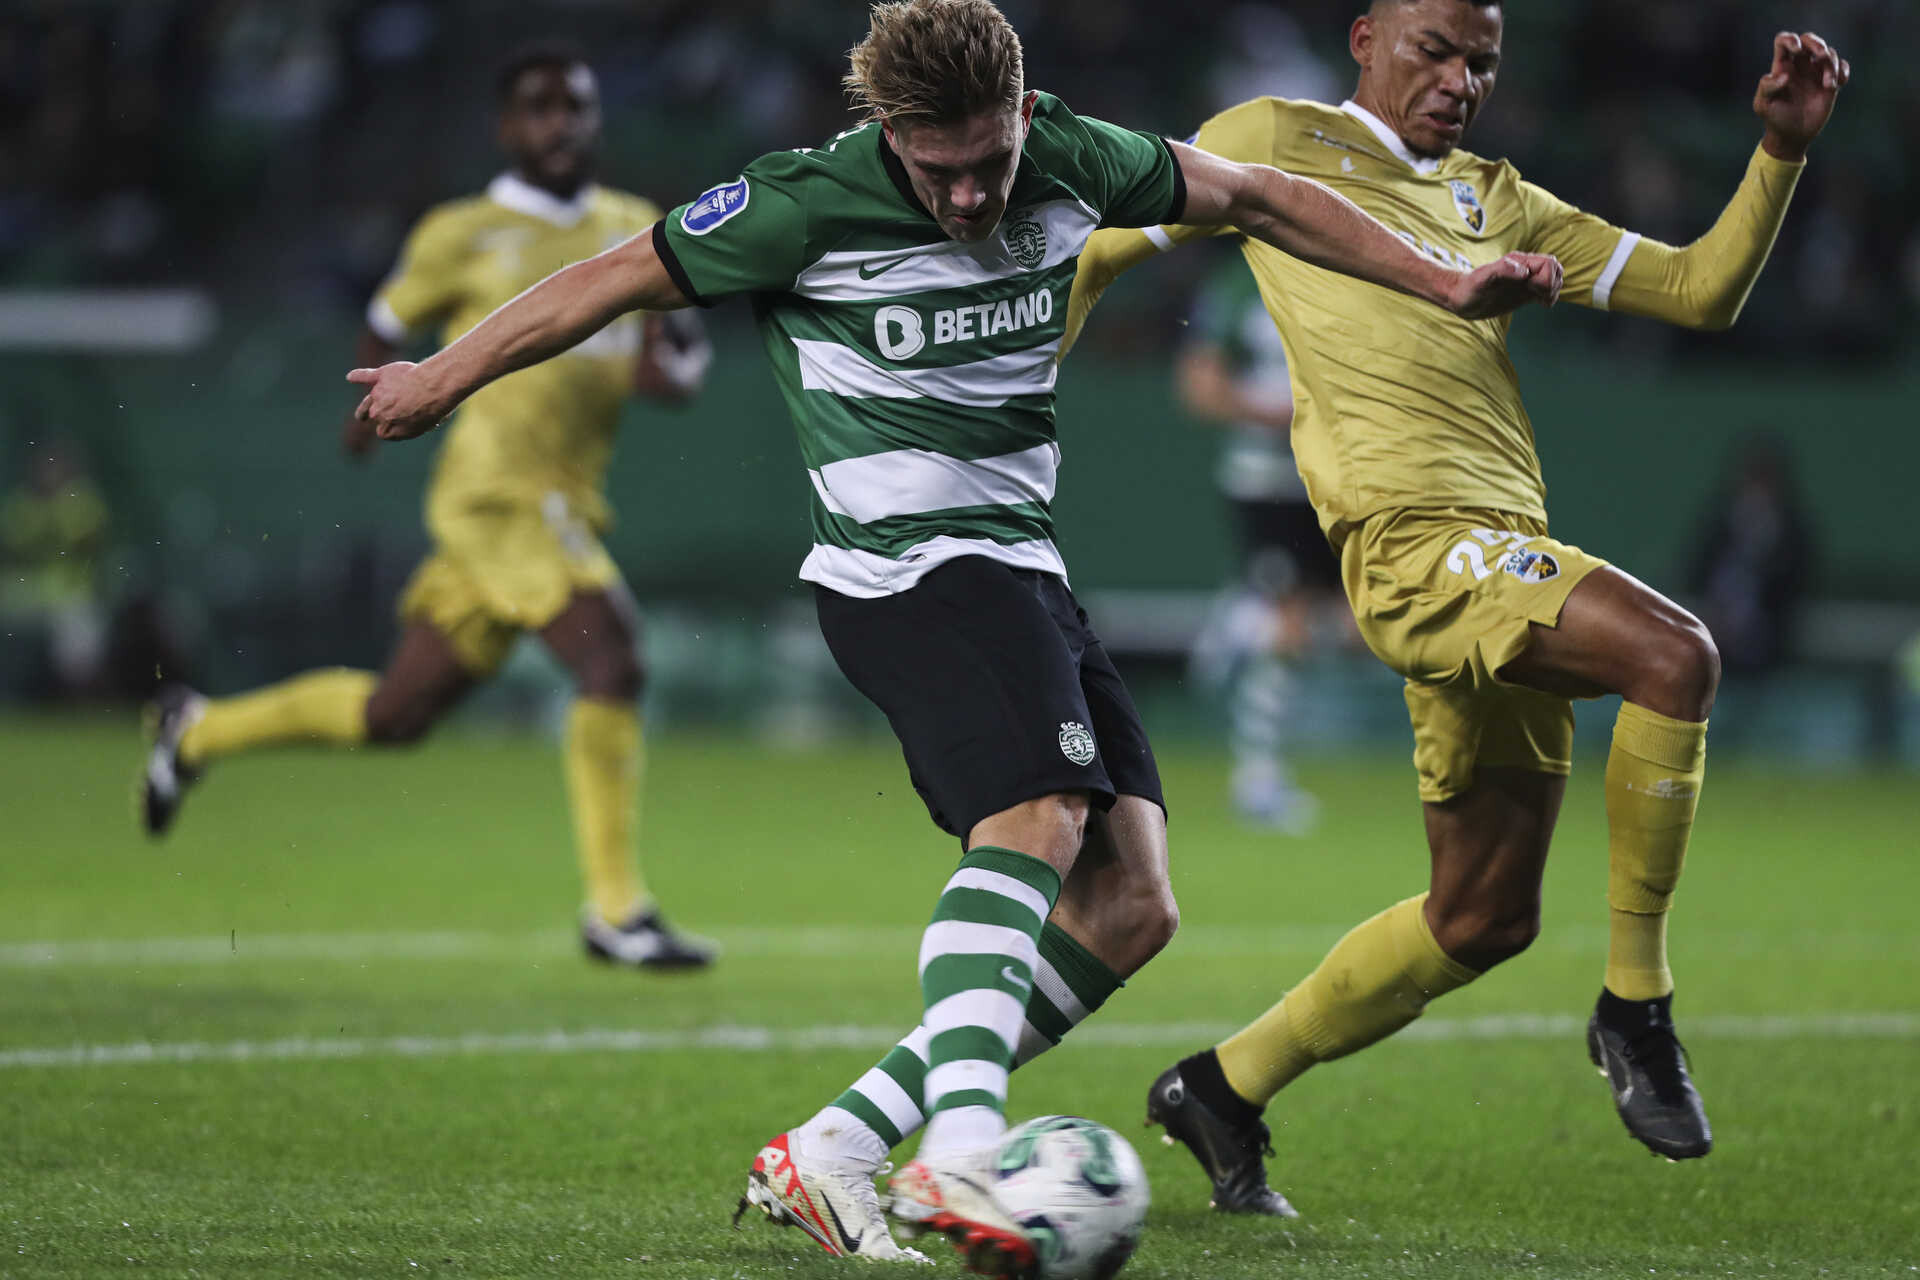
(1507, 936)
(1482, 936)
(1156, 920)
(1683, 671)
(1130, 929)
(611, 674)
(397, 722)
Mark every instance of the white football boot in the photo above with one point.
(830, 1198)
(951, 1194)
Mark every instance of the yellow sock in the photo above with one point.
(1375, 981)
(604, 758)
(321, 706)
(1653, 787)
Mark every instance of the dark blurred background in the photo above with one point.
(198, 196)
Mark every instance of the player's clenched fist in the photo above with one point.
(1796, 96)
(1507, 284)
(399, 403)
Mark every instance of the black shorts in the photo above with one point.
(1283, 548)
(997, 689)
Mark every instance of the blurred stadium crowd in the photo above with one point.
(290, 141)
(269, 156)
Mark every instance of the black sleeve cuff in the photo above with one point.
(1178, 209)
(663, 249)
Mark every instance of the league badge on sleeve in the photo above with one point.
(1467, 201)
(714, 207)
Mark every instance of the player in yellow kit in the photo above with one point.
(1419, 460)
(516, 508)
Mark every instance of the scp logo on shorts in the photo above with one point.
(1532, 567)
(715, 206)
(1076, 742)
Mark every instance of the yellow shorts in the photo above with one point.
(1447, 597)
(501, 568)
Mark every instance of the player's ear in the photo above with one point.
(1360, 40)
(1026, 111)
(886, 127)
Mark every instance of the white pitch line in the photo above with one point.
(758, 1039)
(240, 945)
(777, 941)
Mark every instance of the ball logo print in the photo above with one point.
(1078, 1191)
(1076, 742)
(1027, 242)
(715, 206)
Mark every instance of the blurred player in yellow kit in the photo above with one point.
(516, 508)
(1419, 460)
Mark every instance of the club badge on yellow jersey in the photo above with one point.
(1467, 201)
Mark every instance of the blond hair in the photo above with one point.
(936, 60)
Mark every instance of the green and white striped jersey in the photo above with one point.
(919, 370)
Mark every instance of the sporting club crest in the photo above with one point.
(1467, 201)
(1027, 242)
(1532, 566)
(1076, 742)
(715, 206)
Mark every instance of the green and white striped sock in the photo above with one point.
(881, 1108)
(1070, 984)
(887, 1105)
(977, 960)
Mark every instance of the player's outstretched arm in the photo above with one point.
(1318, 225)
(405, 400)
(1705, 284)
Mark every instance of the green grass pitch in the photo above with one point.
(338, 1025)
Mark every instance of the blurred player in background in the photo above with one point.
(516, 508)
(1419, 458)
(1232, 371)
(53, 530)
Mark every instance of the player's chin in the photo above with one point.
(970, 229)
(1431, 139)
(564, 168)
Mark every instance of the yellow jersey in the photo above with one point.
(1396, 404)
(547, 428)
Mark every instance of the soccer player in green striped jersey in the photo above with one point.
(910, 278)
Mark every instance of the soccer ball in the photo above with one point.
(1078, 1191)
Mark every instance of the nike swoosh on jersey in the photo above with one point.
(868, 271)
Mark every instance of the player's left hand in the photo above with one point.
(1796, 96)
(1507, 285)
(399, 403)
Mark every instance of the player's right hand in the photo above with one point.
(1507, 285)
(400, 404)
